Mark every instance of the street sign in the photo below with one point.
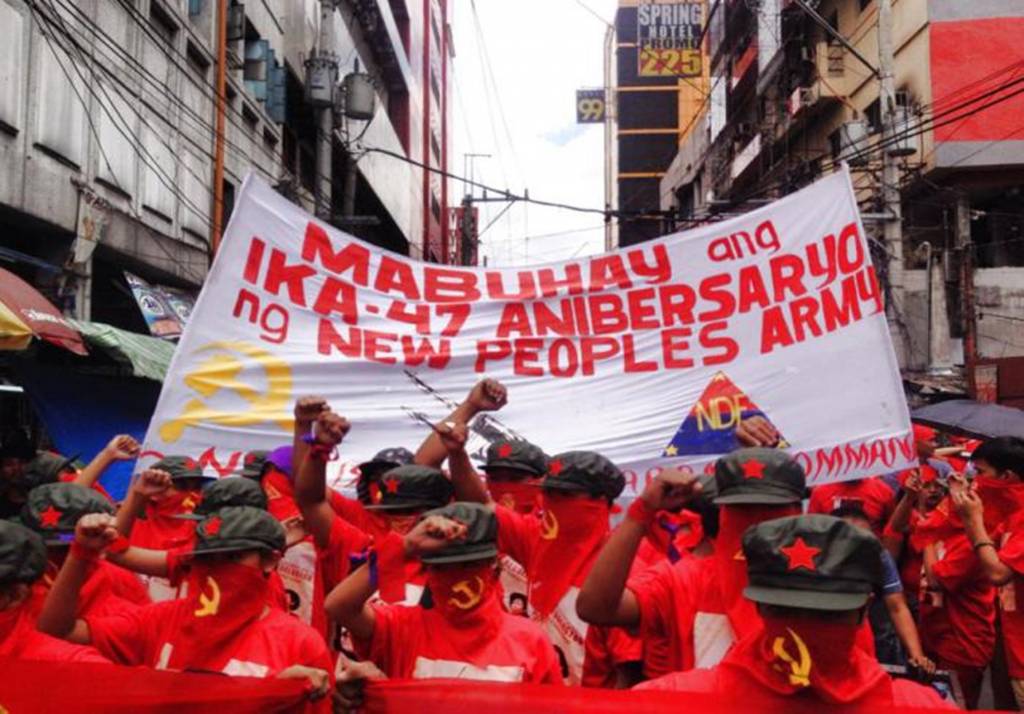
(590, 106)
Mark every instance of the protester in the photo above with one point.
(463, 633)
(811, 577)
(891, 620)
(22, 563)
(52, 510)
(224, 626)
(151, 519)
(695, 604)
(371, 472)
(957, 611)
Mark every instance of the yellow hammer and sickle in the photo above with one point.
(548, 526)
(800, 672)
(220, 372)
(209, 605)
(473, 597)
(189, 503)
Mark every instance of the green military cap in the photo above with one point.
(517, 455)
(237, 528)
(228, 491)
(584, 472)
(759, 477)
(46, 467)
(253, 463)
(53, 509)
(481, 541)
(410, 487)
(181, 467)
(812, 561)
(382, 462)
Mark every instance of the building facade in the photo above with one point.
(107, 133)
(789, 100)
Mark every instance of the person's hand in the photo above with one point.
(913, 483)
(331, 428)
(757, 431)
(453, 435)
(122, 448)
(319, 680)
(671, 490)
(351, 678)
(968, 504)
(95, 531)
(432, 534)
(922, 663)
(152, 483)
(308, 408)
(488, 395)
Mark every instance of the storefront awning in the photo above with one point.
(25, 313)
(148, 357)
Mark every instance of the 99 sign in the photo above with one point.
(589, 107)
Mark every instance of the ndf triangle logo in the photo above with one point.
(710, 427)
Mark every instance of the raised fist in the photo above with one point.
(488, 395)
(122, 447)
(432, 534)
(308, 408)
(331, 428)
(152, 483)
(671, 490)
(95, 531)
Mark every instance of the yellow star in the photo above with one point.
(671, 450)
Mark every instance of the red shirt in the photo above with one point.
(873, 496)
(271, 644)
(20, 638)
(957, 622)
(911, 558)
(416, 643)
(107, 589)
(608, 648)
(1010, 604)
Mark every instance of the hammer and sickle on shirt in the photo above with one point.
(472, 597)
(548, 526)
(800, 671)
(209, 604)
(220, 372)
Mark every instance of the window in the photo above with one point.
(435, 146)
(434, 87)
(197, 61)
(435, 208)
(162, 22)
(60, 117)
(12, 68)
(250, 116)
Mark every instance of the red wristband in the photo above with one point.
(86, 555)
(323, 452)
(641, 513)
(118, 545)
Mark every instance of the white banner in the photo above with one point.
(649, 355)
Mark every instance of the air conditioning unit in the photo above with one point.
(903, 144)
(853, 142)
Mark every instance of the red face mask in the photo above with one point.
(459, 592)
(1001, 498)
(520, 496)
(789, 655)
(224, 598)
(175, 503)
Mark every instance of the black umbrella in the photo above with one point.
(970, 418)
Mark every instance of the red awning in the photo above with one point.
(25, 313)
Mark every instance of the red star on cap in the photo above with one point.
(753, 469)
(801, 555)
(213, 526)
(555, 467)
(505, 450)
(191, 463)
(49, 517)
(391, 484)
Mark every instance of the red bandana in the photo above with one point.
(519, 496)
(573, 529)
(224, 599)
(160, 530)
(788, 656)
(465, 596)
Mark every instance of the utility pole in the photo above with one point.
(609, 138)
(466, 229)
(969, 318)
(325, 122)
(893, 226)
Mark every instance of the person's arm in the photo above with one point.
(971, 510)
(906, 629)
(151, 484)
(757, 431)
(311, 477)
(467, 483)
(604, 598)
(930, 558)
(121, 448)
(487, 395)
(898, 527)
(348, 602)
(307, 409)
(142, 560)
(93, 533)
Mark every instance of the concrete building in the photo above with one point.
(107, 140)
(788, 100)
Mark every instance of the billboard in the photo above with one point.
(668, 37)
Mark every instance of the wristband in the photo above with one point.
(319, 450)
(640, 512)
(118, 545)
(86, 555)
(982, 543)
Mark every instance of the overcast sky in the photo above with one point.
(540, 52)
